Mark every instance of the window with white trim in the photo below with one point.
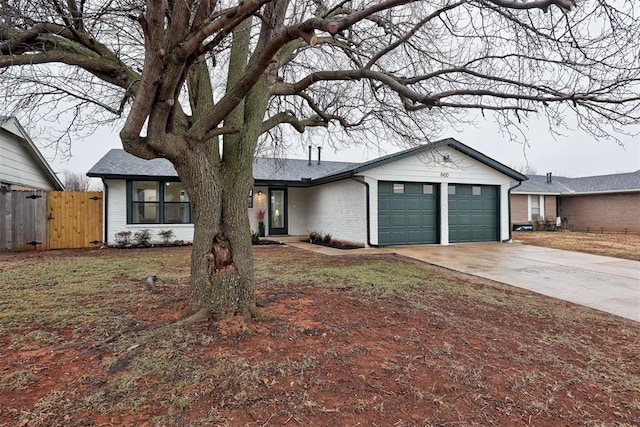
(534, 207)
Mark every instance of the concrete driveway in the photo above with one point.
(604, 283)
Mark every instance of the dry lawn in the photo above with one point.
(625, 246)
(354, 340)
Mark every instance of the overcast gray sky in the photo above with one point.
(576, 154)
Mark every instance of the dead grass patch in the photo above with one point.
(370, 340)
(626, 246)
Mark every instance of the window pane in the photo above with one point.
(145, 213)
(145, 191)
(476, 191)
(427, 189)
(277, 209)
(177, 213)
(175, 192)
(535, 202)
(398, 188)
(535, 206)
(452, 189)
(250, 202)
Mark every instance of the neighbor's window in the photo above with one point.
(250, 201)
(427, 189)
(476, 191)
(158, 202)
(534, 206)
(398, 188)
(452, 189)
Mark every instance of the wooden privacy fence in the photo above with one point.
(23, 220)
(75, 219)
(39, 220)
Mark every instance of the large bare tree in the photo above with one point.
(203, 82)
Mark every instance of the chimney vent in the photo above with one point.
(309, 155)
(548, 177)
(319, 148)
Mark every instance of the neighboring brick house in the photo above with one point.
(443, 192)
(595, 203)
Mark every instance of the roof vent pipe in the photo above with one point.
(309, 155)
(319, 148)
(548, 177)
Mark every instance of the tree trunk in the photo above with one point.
(222, 258)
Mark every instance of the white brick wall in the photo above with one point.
(117, 216)
(298, 209)
(338, 208)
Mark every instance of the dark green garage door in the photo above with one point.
(473, 213)
(407, 213)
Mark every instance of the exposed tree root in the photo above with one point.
(197, 317)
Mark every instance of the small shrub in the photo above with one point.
(166, 235)
(123, 238)
(326, 239)
(142, 238)
(255, 238)
(315, 237)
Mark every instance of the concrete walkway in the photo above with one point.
(604, 283)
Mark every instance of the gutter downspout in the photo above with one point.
(368, 209)
(509, 207)
(105, 213)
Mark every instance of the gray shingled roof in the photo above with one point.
(117, 163)
(588, 184)
(266, 169)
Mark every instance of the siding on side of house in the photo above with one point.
(614, 212)
(430, 167)
(17, 165)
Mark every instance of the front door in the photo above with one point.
(278, 211)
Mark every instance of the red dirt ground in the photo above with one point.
(376, 361)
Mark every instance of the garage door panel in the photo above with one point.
(473, 214)
(414, 220)
(384, 220)
(385, 188)
(398, 204)
(398, 220)
(384, 204)
(429, 220)
(413, 188)
(414, 204)
(407, 217)
(399, 236)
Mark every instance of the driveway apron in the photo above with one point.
(604, 283)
